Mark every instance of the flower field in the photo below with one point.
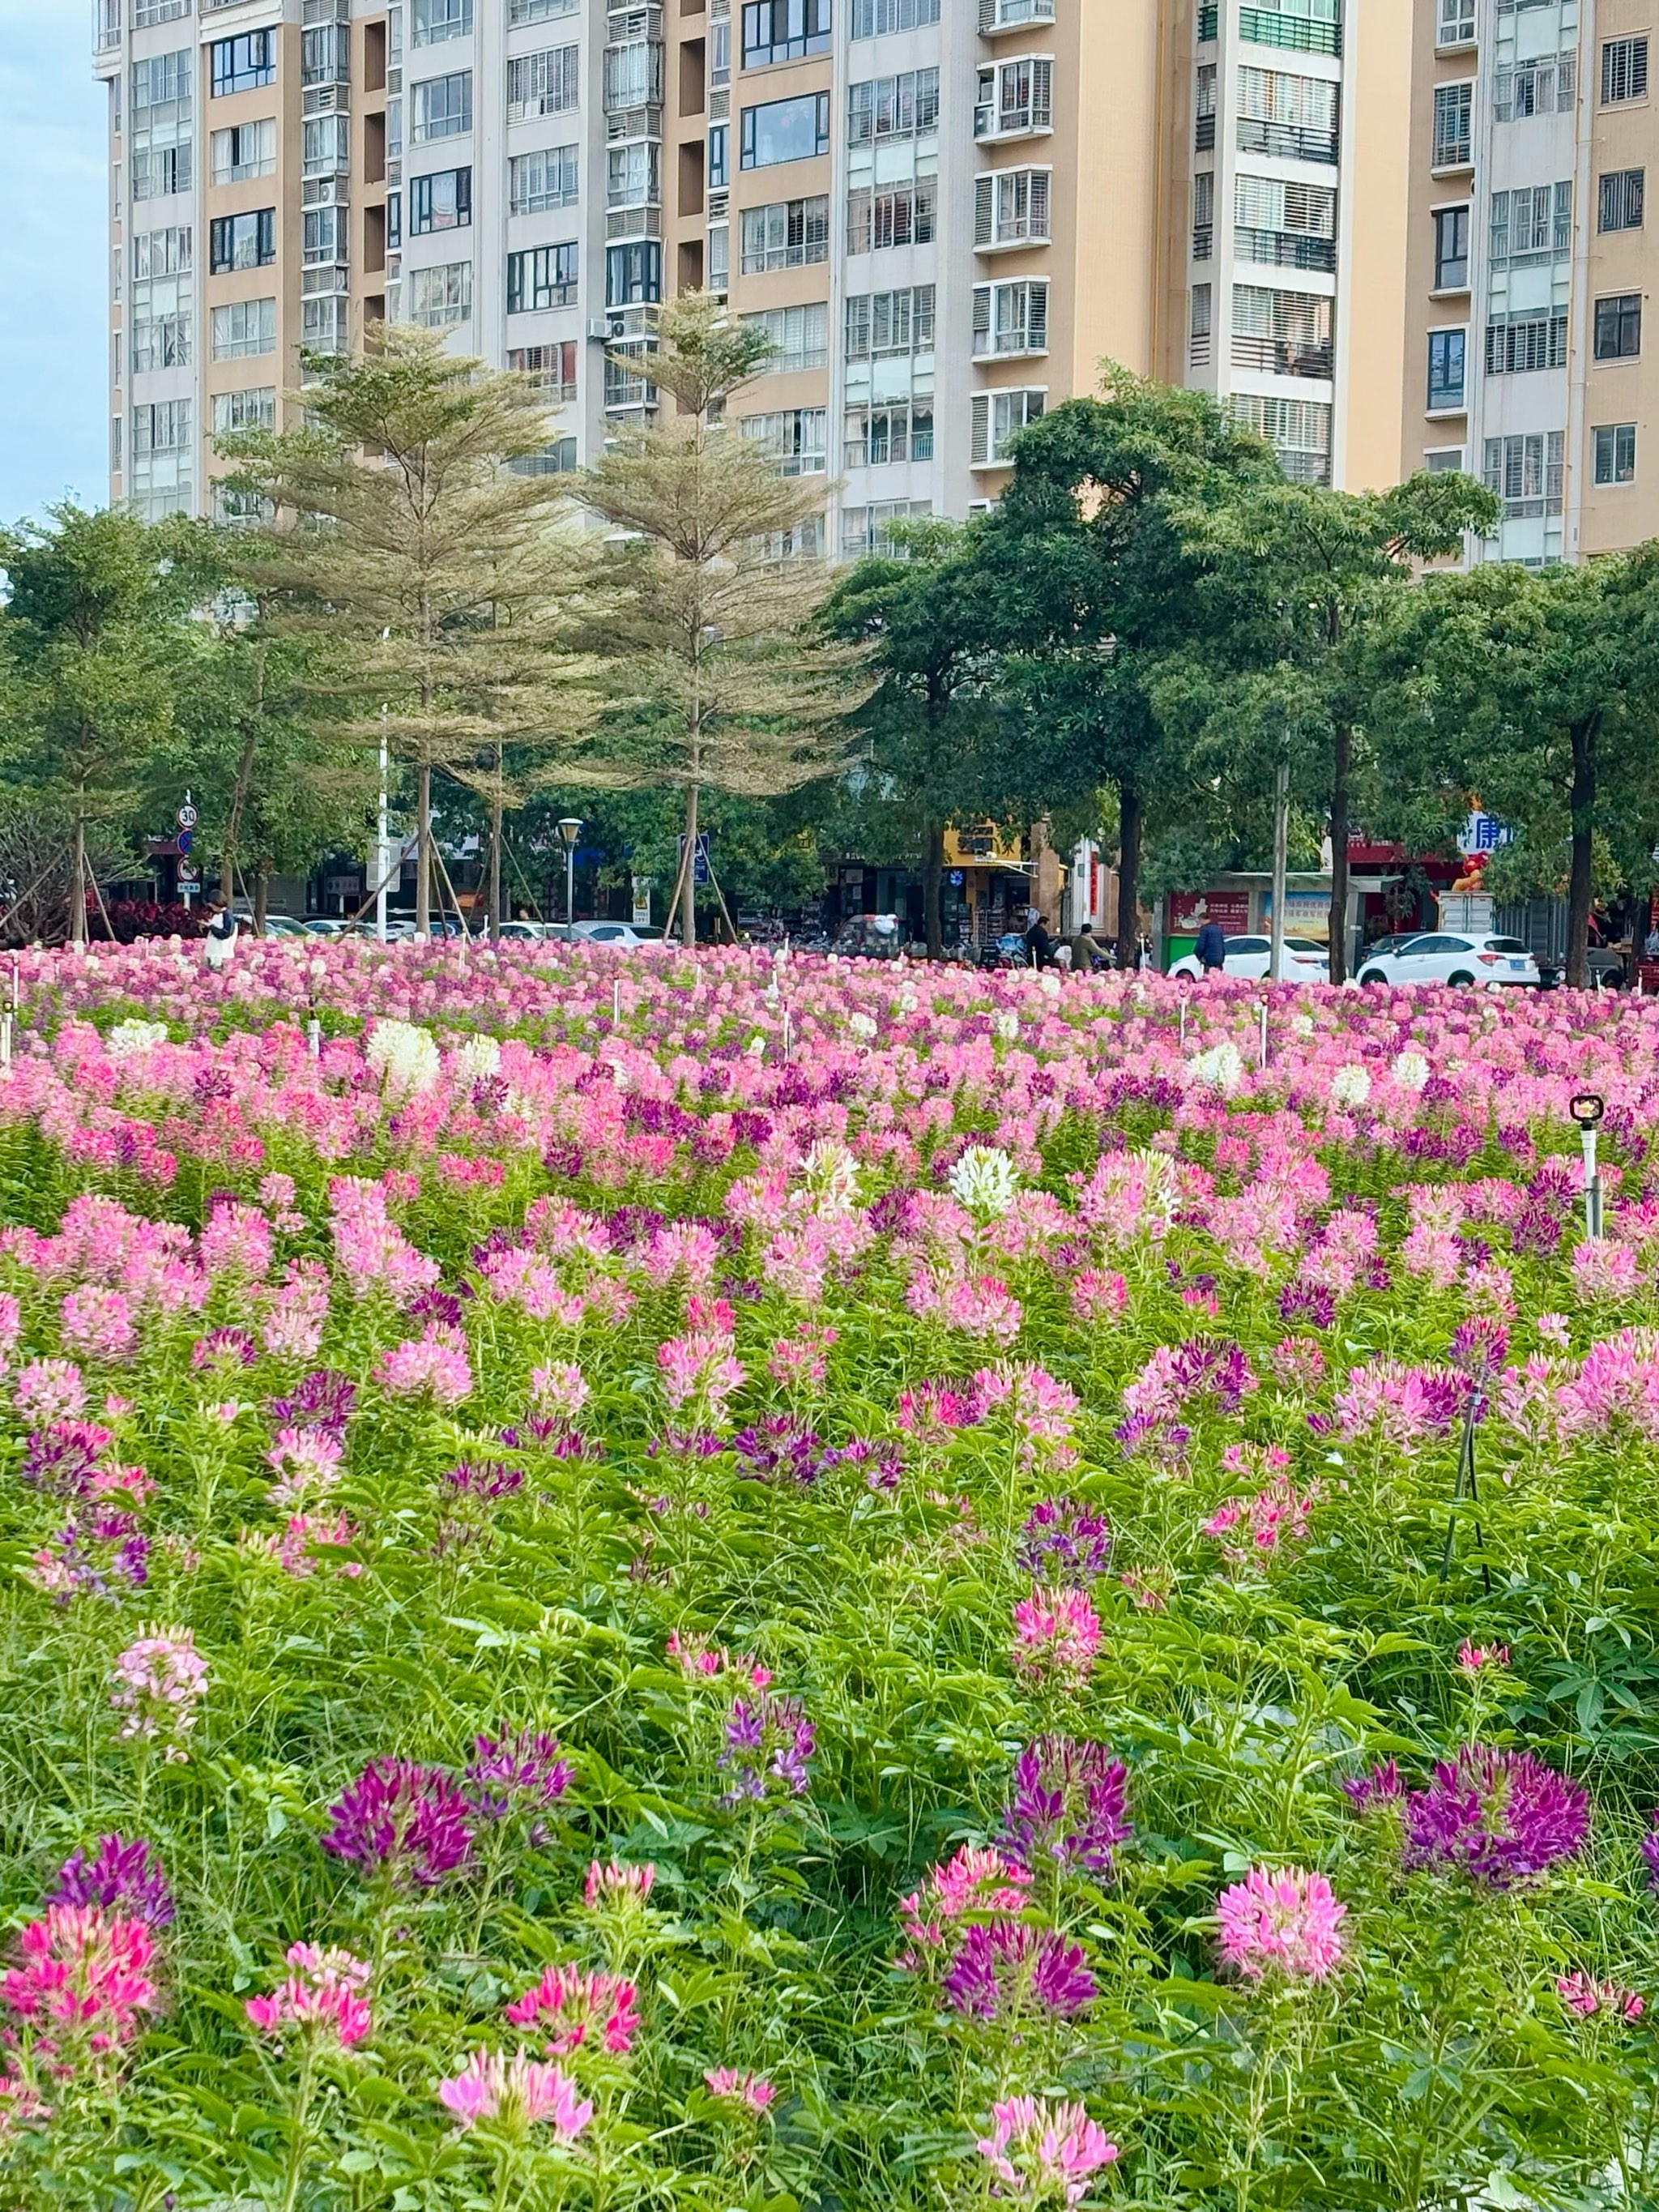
(715, 1583)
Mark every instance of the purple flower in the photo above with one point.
(1069, 1804)
(523, 1770)
(880, 1459)
(1007, 1968)
(1480, 1347)
(223, 1348)
(769, 1742)
(405, 1819)
(437, 1305)
(1311, 1302)
(778, 1447)
(61, 1456)
(1650, 1852)
(1503, 1816)
(1065, 1542)
(1213, 1367)
(489, 1478)
(119, 1877)
(1380, 1785)
(321, 1399)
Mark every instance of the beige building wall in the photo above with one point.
(1370, 333)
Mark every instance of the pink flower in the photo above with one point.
(1273, 1520)
(308, 1462)
(802, 1358)
(19, 2102)
(616, 1885)
(1284, 1923)
(699, 1368)
(1056, 1636)
(322, 1997)
(576, 2007)
(976, 1885)
(98, 1324)
(84, 1982)
(50, 1390)
(752, 2090)
(158, 1679)
(1036, 2149)
(1472, 1657)
(1585, 1997)
(1099, 1294)
(519, 2092)
(432, 1365)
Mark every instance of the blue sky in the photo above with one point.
(53, 344)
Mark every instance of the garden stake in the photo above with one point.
(1466, 1474)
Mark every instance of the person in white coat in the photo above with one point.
(219, 947)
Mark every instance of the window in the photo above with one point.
(1454, 117)
(244, 411)
(537, 183)
(633, 274)
(719, 156)
(441, 296)
(1290, 116)
(442, 107)
(627, 382)
(244, 327)
(1456, 24)
(1451, 249)
(325, 54)
(786, 235)
(1203, 214)
(800, 337)
(1015, 100)
(1011, 319)
(719, 52)
(441, 201)
(1438, 459)
(162, 476)
(1285, 333)
(874, 19)
(1531, 225)
(1619, 327)
(870, 529)
(546, 83)
(1290, 226)
(160, 327)
(244, 62)
(247, 149)
(1526, 472)
(163, 80)
(1542, 87)
(634, 174)
(323, 323)
(545, 277)
(324, 235)
(720, 257)
(537, 11)
(1624, 70)
(903, 106)
(1447, 356)
(435, 20)
(1204, 108)
(242, 241)
(556, 460)
(784, 31)
(785, 131)
(555, 366)
(881, 325)
(1530, 338)
(1616, 453)
(162, 252)
(1619, 200)
(160, 125)
(325, 144)
(1202, 308)
(1010, 207)
(874, 436)
(804, 543)
(901, 215)
(1299, 430)
(998, 416)
(797, 439)
(633, 75)
(147, 12)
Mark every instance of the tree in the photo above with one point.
(718, 683)
(930, 723)
(94, 627)
(1296, 580)
(1539, 691)
(425, 568)
(1085, 585)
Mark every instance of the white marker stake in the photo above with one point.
(1264, 1033)
(1183, 1025)
(788, 1033)
(616, 1004)
(314, 1038)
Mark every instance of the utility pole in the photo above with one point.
(1281, 855)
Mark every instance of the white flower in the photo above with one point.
(831, 1174)
(127, 1039)
(862, 1026)
(1219, 1069)
(1411, 1070)
(984, 1180)
(476, 1057)
(755, 1047)
(1302, 1025)
(405, 1057)
(1007, 1027)
(1351, 1085)
(907, 1001)
(1049, 983)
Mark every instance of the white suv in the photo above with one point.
(1446, 957)
(1306, 961)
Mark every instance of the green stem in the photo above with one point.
(297, 2141)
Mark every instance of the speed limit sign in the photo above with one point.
(187, 817)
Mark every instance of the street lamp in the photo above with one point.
(1587, 1109)
(569, 829)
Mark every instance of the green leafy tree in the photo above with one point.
(428, 573)
(719, 683)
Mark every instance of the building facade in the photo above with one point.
(1531, 126)
(946, 214)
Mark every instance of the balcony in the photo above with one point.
(1032, 119)
(106, 25)
(1307, 34)
(1204, 134)
(998, 15)
(1208, 23)
(1203, 241)
(1283, 357)
(1289, 142)
(1284, 249)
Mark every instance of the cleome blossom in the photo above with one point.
(1044, 2153)
(1285, 1926)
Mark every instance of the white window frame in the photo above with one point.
(1032, 118)
(243, 328)
(1465, 161)
(993, 186)
(421, 132)
(988, 446)
(994, 320)
(1454, 24)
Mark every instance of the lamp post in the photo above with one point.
(1587, 1109)
(569, 829)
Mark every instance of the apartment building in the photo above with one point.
(1531, 136)
(944, 213)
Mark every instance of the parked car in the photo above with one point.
(627, 934)
(281, 925)
(1445, 957)
(1606, 971)
(325, 925)
(523, 933)
(1306, 960)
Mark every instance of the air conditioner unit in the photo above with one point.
(599, 330)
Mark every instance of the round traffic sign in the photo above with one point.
(187, 817)
(188, 872)
(186, 839)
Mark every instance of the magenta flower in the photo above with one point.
(1381, 1786)
(574, 2008)
(1043, 2151)
(1475, 1658)
(1650, 1852)
(617, 1886)
(1065, 1542)
(752, 2091)
(1586, 1997)
(522, 1772)
(1283, 1924)
(322, 1997)
(1007, 1968)
(1056, 1636)
(1502, 1816)
(1069, 1804)
(974, 1885)
(84, 1983)
(119, 1877)
(517, 2092)
(405, 1820)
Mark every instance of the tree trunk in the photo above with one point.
(689, 888)
(1583, 823)
(933, 890)
(239, 792)
(1341, 764)
(1128, 873)
(423, 853)
(261, 899)
(77, 905)
(496, 867)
